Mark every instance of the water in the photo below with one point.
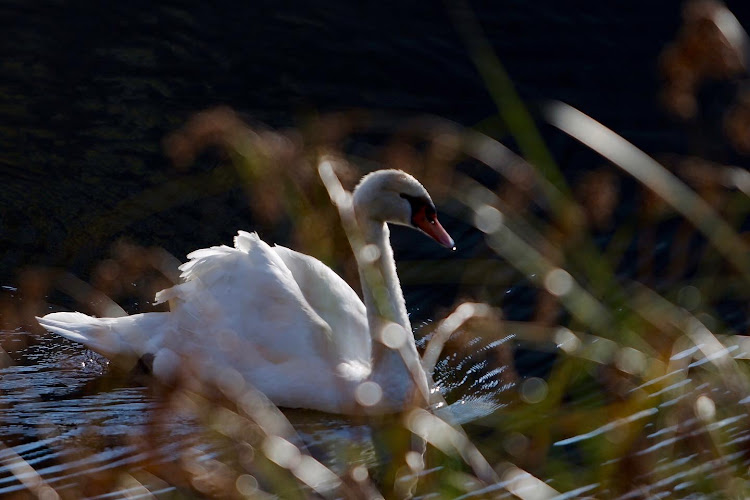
(69, 415)
(64, 413)
(90, 92)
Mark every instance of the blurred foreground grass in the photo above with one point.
(646, 390)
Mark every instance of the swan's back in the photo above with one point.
(265, 324)
(246, 291)
(334, 301)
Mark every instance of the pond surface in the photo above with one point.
(89, 93)
(66, 416)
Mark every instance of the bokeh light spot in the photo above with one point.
(368, 393)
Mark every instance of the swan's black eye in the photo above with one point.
(430, 214)
(420, 207)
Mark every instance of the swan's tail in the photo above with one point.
(131, 336)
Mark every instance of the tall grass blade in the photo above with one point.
(654, 176)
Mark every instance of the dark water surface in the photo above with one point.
(88, 91)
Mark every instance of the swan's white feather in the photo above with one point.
(334, 301)
(134, 335)
(278, 345)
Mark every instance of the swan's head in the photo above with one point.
(397, 197)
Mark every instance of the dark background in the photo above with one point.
(88, 91)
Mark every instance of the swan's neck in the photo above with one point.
(397, 371)
(381, 289)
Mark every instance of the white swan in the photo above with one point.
(285, 321)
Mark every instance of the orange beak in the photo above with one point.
(431, 226)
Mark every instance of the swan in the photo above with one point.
(286, 322)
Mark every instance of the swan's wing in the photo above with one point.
(247, 300)
(334, 301)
